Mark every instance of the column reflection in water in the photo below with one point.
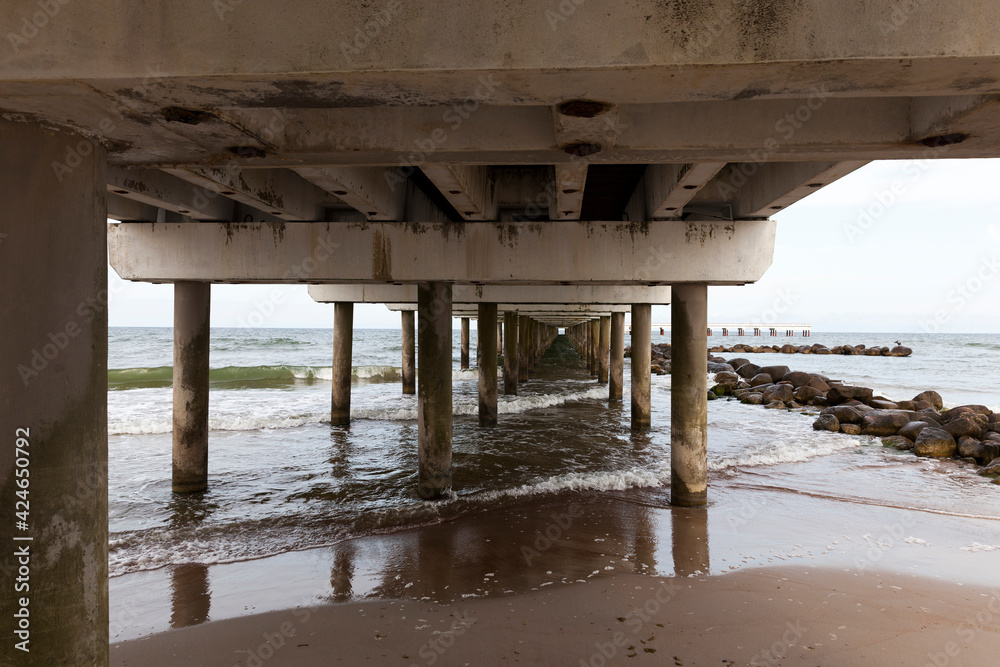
(690, 536)
(190, 594)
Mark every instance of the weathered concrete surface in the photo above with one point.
(505, 294)
(409, 353)
(510, 362)
(434, 390)
(192, 338)
(616, 380)
(523, 325)
(487, 345)
(641, 358)
(343, 341)
(688, 396)
(623, 253)
(604, 349)
(464, 342)
(53, 362)
(314, 103)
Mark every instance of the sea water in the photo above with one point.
(281, 479)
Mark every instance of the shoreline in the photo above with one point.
(788, 615)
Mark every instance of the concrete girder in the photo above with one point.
(376, 192)
(123, 209)
(570, 181)
(666, 189)
(514, 294)
(470, 189)
(162, 190)
(759, 190)
(611, 253)
(278, 192)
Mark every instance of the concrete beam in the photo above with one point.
(610, 253)
(667, 188)
(759, 190)
(377, 193)
(470, 189)
(279, 192)
(504, 294)
(570, 179)
(166, 191)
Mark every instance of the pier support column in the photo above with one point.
(343, 339)
(487, 364)
(688, 395)
(641, 359)
(54, 379)
(434, 389)
(522, 349)
(510, 364)
(616, 379)
(465, 344)
(192, 310)
(499, 339)
(409, 353)
(604, 347)
(595, 342)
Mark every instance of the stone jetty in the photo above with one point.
(921, 424)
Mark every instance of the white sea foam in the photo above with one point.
(976, 547)
(784, 449)
(634, 478)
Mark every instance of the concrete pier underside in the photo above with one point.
(465, 163)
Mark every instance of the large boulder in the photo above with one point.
(912, 429)
(822, 350)
(967, 424)
(753, 399)
(748, 370)
(797, 378)
(990, 451)
(991, 469)
(931, 397)
(948, 415)
(994, 422)
(826, 423)
(775, 405)
(845, 414)
(779, 392)
(880, 404)
(884, 422)
(850, 429)
(760, 379)
(805, 393)
(817, 382)
(898, 442)
(788, 348)
(736, 362)
(970, 448)
(727, 376)
(777, 373)
(935, 443)
(714, 367)
(841, 393)
(900, 351)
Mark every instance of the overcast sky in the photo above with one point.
(897, 246)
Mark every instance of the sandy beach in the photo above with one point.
(761, 577)
(772, 616)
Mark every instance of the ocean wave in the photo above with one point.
(256, 377)
(783, 450)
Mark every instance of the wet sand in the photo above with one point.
(772, 575)
(787, 616)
